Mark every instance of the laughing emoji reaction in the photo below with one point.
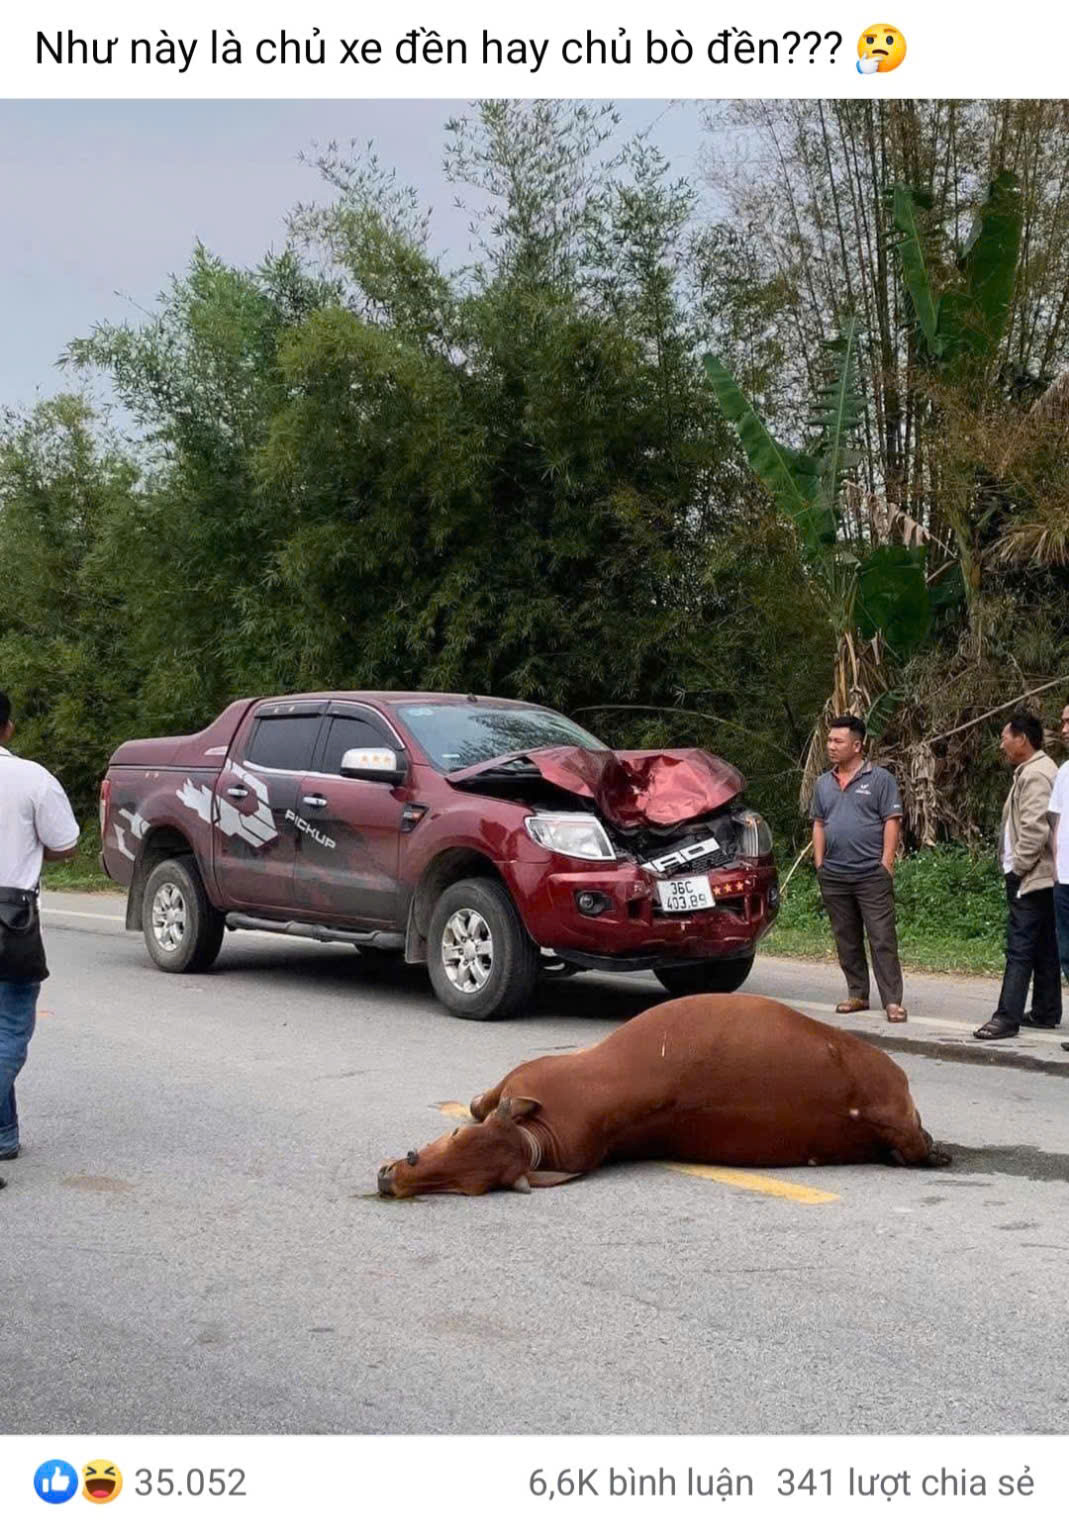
(880, 49)
(101, 1481)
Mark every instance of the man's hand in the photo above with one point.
(67, 855)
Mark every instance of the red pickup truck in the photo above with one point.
(489, 839)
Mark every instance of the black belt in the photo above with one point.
(18, 895)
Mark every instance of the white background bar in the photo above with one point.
(521, 49)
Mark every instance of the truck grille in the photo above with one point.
(689, 856)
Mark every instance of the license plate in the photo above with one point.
(682, 895)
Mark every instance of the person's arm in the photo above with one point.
(1033, 803)
(67, 855)
(892, 832)
(819, 843)
(57, 828)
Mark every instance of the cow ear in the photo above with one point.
(518, 1106)
(552, 1177)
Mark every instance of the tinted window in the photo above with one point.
(351, 734)
(456, 735)
(284, 744)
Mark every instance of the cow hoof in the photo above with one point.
(937, 1159)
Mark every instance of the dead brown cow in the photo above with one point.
(714, 1079)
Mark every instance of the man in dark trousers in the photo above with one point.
(1028, 865)
(857, 819)
(1059, 831)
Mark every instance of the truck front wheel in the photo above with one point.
(482, 963)
(713, 978)
(183, 932)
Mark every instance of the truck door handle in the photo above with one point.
(237, 792)
(315, 801)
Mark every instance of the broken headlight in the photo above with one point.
(578, 835)
(754, 836)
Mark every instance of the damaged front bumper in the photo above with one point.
(622, 927)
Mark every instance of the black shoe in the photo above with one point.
(9, 1154)
(992, 1030)
(1044, 1026)
(1066, 1047)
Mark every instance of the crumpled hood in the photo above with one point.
(630, 788)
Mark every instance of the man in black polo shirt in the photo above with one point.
(857, 818)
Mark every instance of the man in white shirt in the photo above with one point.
(1059, 826)
(36, 825)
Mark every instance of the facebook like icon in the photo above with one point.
(56, 1481)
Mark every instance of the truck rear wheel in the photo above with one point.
(714, 978)
(482, 963)
(183, 932)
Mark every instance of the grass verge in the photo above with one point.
(951, 913)
(83, 875)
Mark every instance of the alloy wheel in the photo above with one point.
(467, 951)
(168, 917)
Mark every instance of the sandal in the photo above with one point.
(995, 1029)
(847, 1007)
(897, 1013)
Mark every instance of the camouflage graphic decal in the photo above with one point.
(257, 828)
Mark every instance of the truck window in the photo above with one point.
(351, 734)
(283, 744)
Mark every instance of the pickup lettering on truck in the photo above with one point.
(307, 829)
(491, 839)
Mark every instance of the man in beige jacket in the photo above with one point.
(1028, 863)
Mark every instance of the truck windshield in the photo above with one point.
(459, 734)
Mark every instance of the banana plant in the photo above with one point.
(879, 592)
(876, 599)
(960, 328)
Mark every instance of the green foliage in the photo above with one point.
(882, 711)
(916, 273)
(964, 327)
(892, 598)
(837, 417)
(63, 656)
(883, 592)
(789, 476)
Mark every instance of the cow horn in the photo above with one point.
(521, 1184)
(518, 1106)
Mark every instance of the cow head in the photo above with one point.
(471, 1160)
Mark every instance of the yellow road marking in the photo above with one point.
(745, 1180)
(748, 1181)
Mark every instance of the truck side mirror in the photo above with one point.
(368, 764)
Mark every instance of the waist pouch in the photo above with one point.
(22, 952)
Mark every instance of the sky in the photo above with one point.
(104, 200)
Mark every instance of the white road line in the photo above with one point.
(55, 909)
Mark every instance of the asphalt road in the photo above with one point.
(191, 1241)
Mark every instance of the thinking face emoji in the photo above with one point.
(880, 49)
(101, 1481)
